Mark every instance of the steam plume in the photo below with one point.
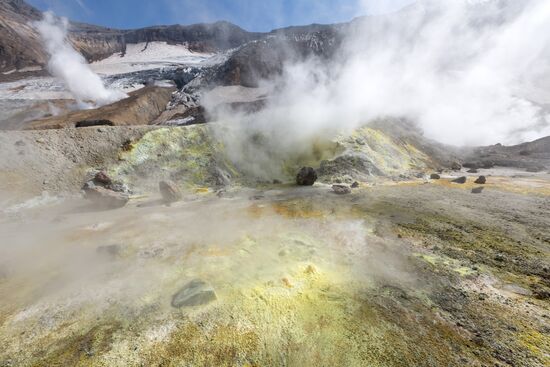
(68, 65)
(467, 72)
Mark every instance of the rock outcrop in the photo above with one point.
(142, 107)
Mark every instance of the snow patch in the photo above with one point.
(147, 56)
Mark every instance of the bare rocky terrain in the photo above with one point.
(144, 233)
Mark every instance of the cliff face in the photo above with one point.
(200, 37)
(19, 43)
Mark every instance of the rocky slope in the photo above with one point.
(20, 44)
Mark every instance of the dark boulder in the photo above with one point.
(355, 185)
(435, 176)
(482, 180)
(460, 180)
(306, 177)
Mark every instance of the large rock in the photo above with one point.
(435, 176)
(306, 177)
(169, 191)
(482, 180)
(104, 198)
(195, 293)
(460, 180)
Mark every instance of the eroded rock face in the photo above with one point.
(306, 176)
(169, 191)
(195, 293)
(104, 198)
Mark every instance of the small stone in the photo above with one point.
(355, 185)
(195, 293)
(169, 191)
(306, 176)
(341, 189)
(482, 180)
(477, 190)
(460, 180)
(499, 257)
(435, 176)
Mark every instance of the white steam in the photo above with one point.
(70, 66)
(467, 72)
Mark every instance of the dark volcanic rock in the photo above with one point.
(104, 198)
(306, 176)
(169, 191)
(482, 180)
(460, 180)
(435, 176)
(195, 293)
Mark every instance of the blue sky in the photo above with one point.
(252, 15)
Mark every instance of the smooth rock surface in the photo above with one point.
(195, 293)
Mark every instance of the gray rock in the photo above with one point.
(473, 170)
(456, 166)
(482, 180)
(435, 176)
(106, 199)
(306, 177)
(195, 293)
(169, 191)
(223, 178)
(477, 190)
(355, 185)
(341, 189)
(460, 180)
